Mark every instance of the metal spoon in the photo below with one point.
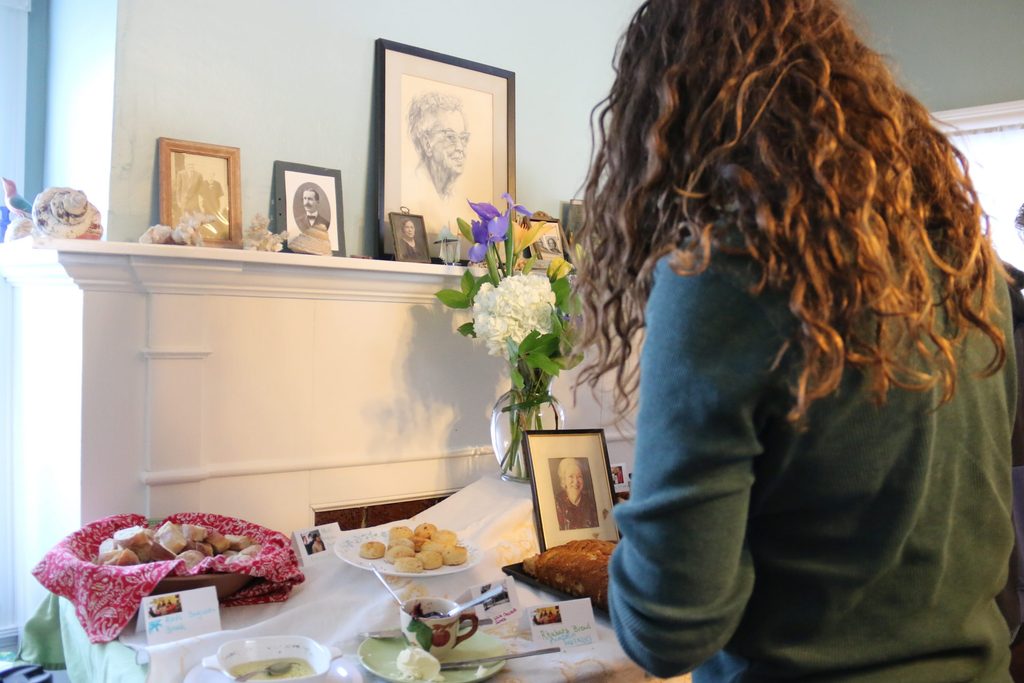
(486, 595)
(275, 669)
(384, 581)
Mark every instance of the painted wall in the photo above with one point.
(296, 84)
(951, 53)
(80, 97)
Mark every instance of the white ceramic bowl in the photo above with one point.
(236, 652)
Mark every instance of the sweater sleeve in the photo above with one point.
(682, 574)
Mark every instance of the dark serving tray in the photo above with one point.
(516, 570)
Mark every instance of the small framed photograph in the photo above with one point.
(549, 244)
(410, 237)
(308, 208)
(201, 179)
(447, 135)
(619, 478)
(572, 485)
(310, 544)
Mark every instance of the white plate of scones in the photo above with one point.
(407, 550)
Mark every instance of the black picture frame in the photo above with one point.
(551, 456)
(291, 180)
(418, 94)
(420, 253)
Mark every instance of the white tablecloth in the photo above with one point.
(337, 600)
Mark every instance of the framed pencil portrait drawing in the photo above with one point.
(202, 180)
(410, 237)
(572, 485)
(447, 135)
(308, 208)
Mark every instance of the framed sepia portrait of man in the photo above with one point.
(572, 485)
(447, 136)
(308, 208)
(204, 181)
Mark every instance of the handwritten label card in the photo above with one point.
(569, 624)
(500, 608)
(314, 544)
(184, 614)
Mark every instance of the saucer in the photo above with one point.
(341, 671)
(379, 656)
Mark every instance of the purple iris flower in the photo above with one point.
(518, 207)
(477, 252)
(479, 232)
(492, 226)
(497, 228)
(484, 210)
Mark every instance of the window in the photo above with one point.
(992, 139)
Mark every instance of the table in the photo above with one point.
(337, 601)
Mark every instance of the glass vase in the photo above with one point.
(512, 415)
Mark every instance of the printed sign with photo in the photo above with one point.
(567, 624)
(620, 479)
(500, 608)
(311, 545)
(185, 614)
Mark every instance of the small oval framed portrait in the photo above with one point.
(410, 237)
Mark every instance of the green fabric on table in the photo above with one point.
(41, 642)
(110, 662)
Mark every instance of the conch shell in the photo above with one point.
(64, 213)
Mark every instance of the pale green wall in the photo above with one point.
(292, 81)
(951, 53)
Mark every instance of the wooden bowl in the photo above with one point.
(226, 584)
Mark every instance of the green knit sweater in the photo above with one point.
(868, 547)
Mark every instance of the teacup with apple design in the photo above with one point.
(425, 624)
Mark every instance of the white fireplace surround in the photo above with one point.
(158, 379)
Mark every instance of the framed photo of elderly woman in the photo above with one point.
(446, 135)
(410, 237)
(572, 485)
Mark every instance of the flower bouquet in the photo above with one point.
(525, 317)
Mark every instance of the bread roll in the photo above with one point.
(399, 532)
(407, 542)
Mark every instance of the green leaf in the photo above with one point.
(468, 284)
(466, 229)
(529, 342)
(510, 252)
(421, 632)
(492, 265)
(453, 299)
(540, 361)
(562, 291)
(517, 379)
(467, 329)
(528, 266)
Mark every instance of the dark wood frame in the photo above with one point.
(389, 179)
(283, 204)
(394, 218)
(546, 445)
(167, 148)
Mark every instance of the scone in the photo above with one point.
(372, 550)
(397, 552)
(408, 564)
(407, 542)
(399, 532)
(426, 529)
(445, 537)
(431, 559)
(454, 555)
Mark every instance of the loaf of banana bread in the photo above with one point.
(579, 568)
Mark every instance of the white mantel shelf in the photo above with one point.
(172, 269)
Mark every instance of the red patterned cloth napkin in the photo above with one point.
(106, 597)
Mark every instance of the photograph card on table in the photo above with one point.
(499, 609)
(310, 544)
(566, 624)
(185, 614)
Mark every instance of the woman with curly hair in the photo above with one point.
(821, 489)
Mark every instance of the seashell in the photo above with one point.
(65, 213)
(18, 228)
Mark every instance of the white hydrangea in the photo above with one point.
(513, 309)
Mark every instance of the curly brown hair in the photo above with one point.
(768, 128)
